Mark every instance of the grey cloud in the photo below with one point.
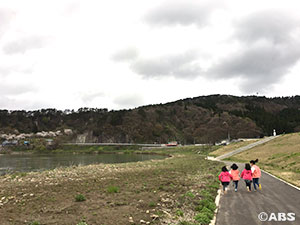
(267, 48)
(7, 70)
(25, 44)
(180, 66)
(4, 70)
(7, 103)
(129, 100)
(183, 13)
(10, 89)
(72, 7)
(267, 51)
(271, 25)
(88, 97)
(18, 104)
(259, 66)
(127, 54)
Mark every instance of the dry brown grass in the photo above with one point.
(280, 156)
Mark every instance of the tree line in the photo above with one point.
(192, 120)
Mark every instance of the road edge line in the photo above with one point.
(217, 202)
(218, 197)
(294, 186)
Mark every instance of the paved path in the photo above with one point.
(245, 148)
(243, 207)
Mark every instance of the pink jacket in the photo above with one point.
(246, 174)
(256, 171)
(225, 177)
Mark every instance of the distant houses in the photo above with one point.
(10, 143)
(19, 139)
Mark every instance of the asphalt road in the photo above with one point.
(243, 207)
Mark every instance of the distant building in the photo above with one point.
(68, 131)
(9, 143)
(49, 142)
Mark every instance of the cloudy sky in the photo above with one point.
(122, 54)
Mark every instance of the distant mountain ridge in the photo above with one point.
(203, 119)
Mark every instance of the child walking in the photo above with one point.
(256, 174)
(235, 175)
(225, 178)
(247, 176)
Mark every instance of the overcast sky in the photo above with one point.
(123, 54)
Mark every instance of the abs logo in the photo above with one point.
(289, 217)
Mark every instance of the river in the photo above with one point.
(38, 162)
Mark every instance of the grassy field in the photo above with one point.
(178, 190)
(229, 148)
(280, 156)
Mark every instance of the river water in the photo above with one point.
(38, 162)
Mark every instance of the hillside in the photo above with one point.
(204, 119)
(280, 156)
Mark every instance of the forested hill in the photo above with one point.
(194, 120)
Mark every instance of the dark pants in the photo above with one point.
(225, 184)
(255, 182)
(236, 183)
(248, 184)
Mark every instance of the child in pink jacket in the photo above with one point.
(225, 178)
(247, 176)
(256, 174)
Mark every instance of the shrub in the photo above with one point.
(179, 212)
(207, 195)
(15, 175)
(190, 194)
(202, 218)
(208, 212)
(113, 189)
(206, 203)
(186, 223)
(34, 223)
(152, 204)
(82, 223)
(212, 206)
(80, 198)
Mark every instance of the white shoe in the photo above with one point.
(225, 191)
